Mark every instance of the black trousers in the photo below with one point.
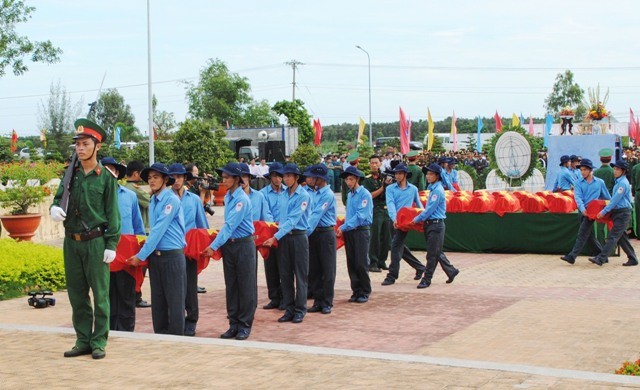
(434, 236)
(293, 263)
(400, 251)
(322, 267)
(122, 299)
(380, 237)
(167, 277)
(272, 275)
(585, 236)
(239, 264)
(191, 297)
(618, 236)
(356, 245)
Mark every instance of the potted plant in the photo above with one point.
(24, 186)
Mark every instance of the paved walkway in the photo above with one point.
(508, 321)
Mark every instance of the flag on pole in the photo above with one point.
(522, 122)
(480, 126)
(14, 141)
(633, 127)
(318, 128)
(361, 127)
(515, 121)
(530, 124)
(405, 132)
(43, 137)
(547, 129)
(117, 137)
(454, 132)
(498, 122)
(228, 125)
(431, 125)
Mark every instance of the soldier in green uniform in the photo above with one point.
(92, 231)
(353, 159)
(605, 172)
(416, 178)
(380, 242)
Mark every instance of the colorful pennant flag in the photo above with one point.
(431, 125)
(530, 124)
(633, 127)
(515, 121)
(361, 127)
(117, 137)
(14, 141)
(405, 132)
(498, 122)
(454, 132)
(547, 129)
(318, 132)
(480, 126)
(522, 122)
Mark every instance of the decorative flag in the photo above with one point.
(431, 126)
(530, 125)
(638, 127)
(405, 132)
(119, 130)
(155, 134)
(14, 141)
(43, 137)
(360, 131)
(522, 122)
(633, 127)
(515, 121)
(454, 132)
(318, 128)
(480, 126)
(228, 125)
(547, 129)
(498, 122)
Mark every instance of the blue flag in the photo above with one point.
(117, 142)
(547, 129)
(480, 126)
(522, 122)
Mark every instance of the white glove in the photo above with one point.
(57, 214)
(109, 256)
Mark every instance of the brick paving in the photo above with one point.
(573, 324)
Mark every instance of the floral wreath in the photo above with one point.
(493, 162)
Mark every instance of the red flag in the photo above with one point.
(318, 128)
(633, 127)
(530, 125)
(498, 122)
(14, 141)
(405, 132)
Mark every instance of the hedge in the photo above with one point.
(25, 266)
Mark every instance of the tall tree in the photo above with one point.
(164, 122)
(565, 93)
(297, 116)
(196, 142)
(13, 47)
(110, 110)
(257, 114)
(57, 116)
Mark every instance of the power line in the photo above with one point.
(479, 68)
(294, 64)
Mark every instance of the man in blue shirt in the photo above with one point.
(356, 231)
(620, 208)
(293, 246)
(433, 218)
(238, 255)
(272, 194)
(122, 286)
(588, 188)
(398, 195)
(194, 218)
(164, 252)
(322, 241)
(259, 207)
(565, 179)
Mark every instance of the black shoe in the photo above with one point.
(630, 263)
(190, 330)
(98, 353)
(201, 290)
(142, 303)
(326, 310)
(297, 318)
(75, 352)
(418, 275)
(286, 318)
(353, 298)
(271, 305)
(314, 309)
(243, 334)
(605, 261)
(453, 276)
(595, 261)
(388, 281)
(374, 269)
(282, 307)
(424, 283)
(384, 267)
(229, 334)
(568, 259)
(362, 299)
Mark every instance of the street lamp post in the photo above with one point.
(369, 63)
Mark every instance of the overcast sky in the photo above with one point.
(474, 57)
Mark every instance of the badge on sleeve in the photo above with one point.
(364, 203)
(303, 206)
(620, 190)
(324, 205)
(238, 206)
(434, 197)
(167, 209)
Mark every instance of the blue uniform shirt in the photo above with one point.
(584, 192)
(447, 182)
(621, 198)
(273, 199)
(238, 218)
(436, 204)
(167, 224)
(130, 217)
(193, 211)
(293, 212)
(323, 213)
(398, 198)
(565, 179)
(359, 209)
(259, 206)
(577, 174)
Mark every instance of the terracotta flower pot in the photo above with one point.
(21, 227)
(218, 195)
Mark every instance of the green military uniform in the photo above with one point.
(92, 225)
(143, 200)
(380, 242)
(344, 190)
(605, 172)
(417, 178)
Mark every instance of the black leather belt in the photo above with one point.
(297, 232)
(86, 236)
(324, 229)
(363, 228)
(168, 252)
(433, 221)
(242, 239)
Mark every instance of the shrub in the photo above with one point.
(25, 266)
(629, 368)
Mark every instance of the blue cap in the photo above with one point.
(179, 169)
(319, 170)
(586, 163)
(353, 171)
(244, 167)
(158, 167)
(433, 167)
(443, 159)
(401, 167)
(564, 159)
(231, 169)
(122, 170)
(621, 164)
(276, 168)
(292, 169)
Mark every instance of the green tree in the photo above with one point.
(257, 114)
(110, 110)
(164, 122)
(196, 142)
(162, 152)
(297, 116)
(305, 155)
(13, 47)
(565, 93)
(57, 116)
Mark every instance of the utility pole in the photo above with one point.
(294, 64)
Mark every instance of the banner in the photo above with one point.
(478, 142)
(454, 132)
(14, 141)
(431, 126)
(405, 132)
(498, 122)
(361, 127)
(318, 132)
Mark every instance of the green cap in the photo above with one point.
(353, 157)
(606, 152)
(413, 154)
(86, 128)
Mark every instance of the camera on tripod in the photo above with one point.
(40, 302)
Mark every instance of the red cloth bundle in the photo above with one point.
(424, 195)
(264, 231)
(197, 241)
(459, 202)
(129, 245)
(482, 202)
(339, 240)
(405, 216)
(506, 203)
(595, 207)
(559, 203)
(532, 203)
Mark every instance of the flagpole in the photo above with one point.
(369, 63)
(150, 93)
